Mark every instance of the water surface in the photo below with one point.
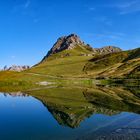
(70, 114)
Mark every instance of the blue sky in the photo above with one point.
(29, 28)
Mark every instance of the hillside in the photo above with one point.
(69, 56)
(72, 58)
(116, 65)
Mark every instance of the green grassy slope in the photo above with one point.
(133, 54)
(79, 50)
(116, 65)
(66, 63)
(77, 62)
(18, 81)
(69, 66)
(71, 63)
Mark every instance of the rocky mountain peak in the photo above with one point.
(72, 41)
(65, 43)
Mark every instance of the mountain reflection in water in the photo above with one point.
(72, 106)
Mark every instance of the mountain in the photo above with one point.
(72, 58)
(73, 45)
(65, 43)
(69, 57)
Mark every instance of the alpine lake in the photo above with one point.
(100, 112)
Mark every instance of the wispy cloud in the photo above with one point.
(27, 4)
(114, 38)
(112, 35)
(130, 7)
(126, 7)
(107, 35)
(126, 4)
(103, 20)
(22, 6)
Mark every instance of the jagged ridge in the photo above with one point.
(73, 41)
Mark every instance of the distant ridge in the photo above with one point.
(16, 68)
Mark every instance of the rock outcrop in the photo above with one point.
(107, 50)
(65, 43)
(16, 68)
(72, 41)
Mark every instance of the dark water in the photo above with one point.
(71, 114)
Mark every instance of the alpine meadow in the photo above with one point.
(70, 70)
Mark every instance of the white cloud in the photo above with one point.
(126, 7)
(21, 7)
(103, 20)
(126, 4)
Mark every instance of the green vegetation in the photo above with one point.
(70, 106)
(23, 81)
(18, 81)
(63, 67)
(123, 64)
(75, 65)
(79, 50)
(117, 65)
(68, 63)
(134, 54)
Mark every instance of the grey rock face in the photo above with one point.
(108, 49)
(66, 42)
(72, 41)
(16, 68)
